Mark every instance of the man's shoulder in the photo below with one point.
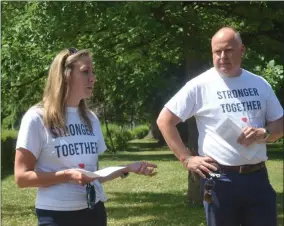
(204, 78)
(255, 77)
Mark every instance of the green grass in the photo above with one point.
(138, 200)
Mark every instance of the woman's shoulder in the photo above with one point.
(93, 116)
(34, 113)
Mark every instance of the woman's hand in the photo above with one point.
(144, 168)
(78, 177)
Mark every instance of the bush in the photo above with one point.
(119, 135)
(8, 145)
(140, 132)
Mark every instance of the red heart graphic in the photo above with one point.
(244, 119)
(82, 165)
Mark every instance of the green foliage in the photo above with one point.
(118, 137)
(143, 51)
(272, 72)
(8, 145)
(140, 132)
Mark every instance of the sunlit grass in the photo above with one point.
(137, 200)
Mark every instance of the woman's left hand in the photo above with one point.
(144, 168)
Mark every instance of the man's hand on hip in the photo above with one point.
(251, 135)
(201, 165)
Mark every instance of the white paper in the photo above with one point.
(101, 173)
(230, 132)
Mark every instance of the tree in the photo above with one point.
(143, 51)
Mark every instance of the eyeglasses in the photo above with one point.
(91, 195)
(208, 187)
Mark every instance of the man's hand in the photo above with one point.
(201, 165)
(251, 135)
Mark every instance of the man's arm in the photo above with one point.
(167, 122)
(275, 129)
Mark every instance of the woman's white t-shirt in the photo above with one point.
(79, 148)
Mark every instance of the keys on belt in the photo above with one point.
(244, 169)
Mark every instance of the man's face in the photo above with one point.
(227, 54)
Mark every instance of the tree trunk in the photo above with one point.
(155, 132)
(193, 191)
(192, 65)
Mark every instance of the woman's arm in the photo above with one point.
(144, 168)
(25, 175)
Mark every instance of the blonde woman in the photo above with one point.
(57, 137)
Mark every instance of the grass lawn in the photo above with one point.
(138, 200)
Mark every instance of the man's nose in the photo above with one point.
(223, 54)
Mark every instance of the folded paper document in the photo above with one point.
(101, 173)
(230, 132)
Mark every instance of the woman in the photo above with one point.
(59, 136)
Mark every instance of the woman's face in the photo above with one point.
(82, 79)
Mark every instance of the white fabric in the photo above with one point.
(53, 154)
(210, 97)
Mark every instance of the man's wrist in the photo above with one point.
(266, 134)
(185, 161)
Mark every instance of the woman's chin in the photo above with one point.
(87, 95)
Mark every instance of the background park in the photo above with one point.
(143, 53)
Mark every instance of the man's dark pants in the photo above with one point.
(242, 199)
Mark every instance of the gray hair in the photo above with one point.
(237, 34)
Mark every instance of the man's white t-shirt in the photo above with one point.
(211, 97)
(77, 149)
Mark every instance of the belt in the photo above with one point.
(244, 169)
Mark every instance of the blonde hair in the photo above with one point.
(57, 91)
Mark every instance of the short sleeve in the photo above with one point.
(102, 144)
(274, 110)
(98, 130)
(30, 135)
(183, 103)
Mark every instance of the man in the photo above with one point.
(234, 178)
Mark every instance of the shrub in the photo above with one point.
(119, 135)
(8, 145)
(140, 132)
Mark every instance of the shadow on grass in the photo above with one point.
(12, 211)
(143, 146)
(275, 153)
(156, 208)
(128, 156)
(5, 173)
(163, 209)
